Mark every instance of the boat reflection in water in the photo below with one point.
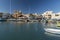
(52, 34)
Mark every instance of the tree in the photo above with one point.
(32, 16)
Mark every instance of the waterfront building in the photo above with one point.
(39, 17)
(6, 15)
(47, 14)
(27, 15)
(51, 15)
(32, 16)
(17, 14)
(56, 16)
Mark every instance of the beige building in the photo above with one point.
(17, 14)
(51, 15)
(56, 16)
(47, 14)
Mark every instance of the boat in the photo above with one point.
(52, 30)
(2, 20)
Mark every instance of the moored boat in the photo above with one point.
(52, 30)
(2, 20)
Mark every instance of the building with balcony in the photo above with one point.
(51, 15)
(17, 14)
(48, 14)
(56, 16)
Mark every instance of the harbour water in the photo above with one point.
(24, 31)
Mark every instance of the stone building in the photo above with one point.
(17, 14)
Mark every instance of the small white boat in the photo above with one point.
(53, 31)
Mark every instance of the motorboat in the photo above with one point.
(2, 20)
(51, 30)
(54, 28)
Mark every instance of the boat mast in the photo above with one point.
(10, 6)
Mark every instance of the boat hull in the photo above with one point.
(51, 30)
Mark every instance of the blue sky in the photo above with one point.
(30, 6)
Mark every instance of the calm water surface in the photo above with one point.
(24, 31)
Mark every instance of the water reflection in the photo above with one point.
(24, 31)
(21, 31)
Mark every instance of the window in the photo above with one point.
(49, 15)
(56, 15)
